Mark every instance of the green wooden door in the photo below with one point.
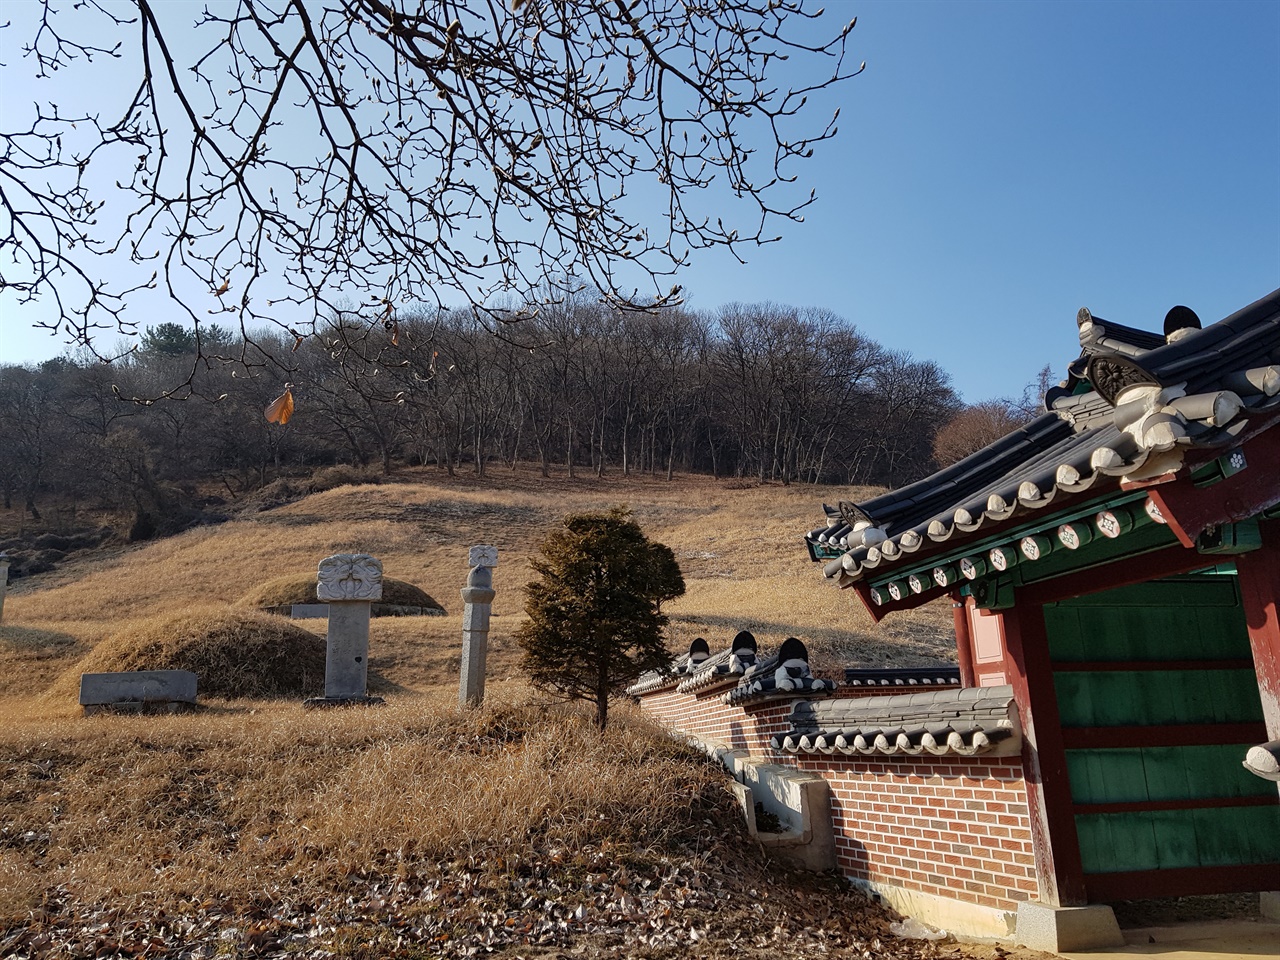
(1159, 702)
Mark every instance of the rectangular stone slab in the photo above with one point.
(346, 664)
(138, 685)
(309, 611)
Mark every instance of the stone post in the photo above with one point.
(477, 598)
(349, 583)
(4, 583)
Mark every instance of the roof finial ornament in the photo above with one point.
(852, 514)
(1179, 322)
(1112, 375)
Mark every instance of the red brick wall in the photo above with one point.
(950, 826)
(706, 717)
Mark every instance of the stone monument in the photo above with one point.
(349, 583)
(138, 691)
(477, 599)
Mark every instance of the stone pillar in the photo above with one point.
(477, 598)
(4, 584)
(349, 583)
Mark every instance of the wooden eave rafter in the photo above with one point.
(1189, 506)
(1191, 509)
(1024, 572)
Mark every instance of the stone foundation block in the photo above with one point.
(1057, 929)
(1269, 904)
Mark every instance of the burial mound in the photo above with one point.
(398, 597)
(234, 653)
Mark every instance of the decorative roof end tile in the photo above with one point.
(1067, 475)
(1104, 458)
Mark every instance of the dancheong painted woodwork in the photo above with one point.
(1117, 561)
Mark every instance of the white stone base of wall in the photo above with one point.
(801, 802)
(968, 921)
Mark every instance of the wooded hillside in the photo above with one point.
(761, 391)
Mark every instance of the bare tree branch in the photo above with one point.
(290, 156)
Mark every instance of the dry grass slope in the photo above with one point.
(223, 804)
(254, 818)
(739, 547)
(30, 659)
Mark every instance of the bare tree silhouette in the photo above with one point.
(291, 161)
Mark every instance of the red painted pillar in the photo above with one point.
(1260, 591)
(964, 642)
(1044, 759)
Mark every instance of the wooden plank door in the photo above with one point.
(1159, 702)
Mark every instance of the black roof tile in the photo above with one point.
(977, 720)
(1084, 443)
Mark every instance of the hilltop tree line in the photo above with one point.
(762, 391)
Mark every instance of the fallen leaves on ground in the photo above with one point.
(551, 906)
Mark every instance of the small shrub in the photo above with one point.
(595, 621)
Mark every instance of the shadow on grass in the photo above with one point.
(45, 643)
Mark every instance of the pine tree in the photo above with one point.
(595, 619)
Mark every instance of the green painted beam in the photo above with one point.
(1046, 524)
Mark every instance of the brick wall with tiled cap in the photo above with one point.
(952, 827)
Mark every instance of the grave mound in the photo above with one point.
(233, 653)
(398, 597)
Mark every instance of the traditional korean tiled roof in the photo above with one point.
(724, 667)
(785, 674)
(655, 680)
(652, 682)
(968, 722)
(1136, 405)
(699, 669)
(902, 676)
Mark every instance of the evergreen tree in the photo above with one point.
(175, 340)
(170, 339)
(595, 621)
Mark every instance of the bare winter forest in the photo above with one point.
(765, 392)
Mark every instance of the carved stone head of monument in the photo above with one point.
(484, 555)
(349, 576)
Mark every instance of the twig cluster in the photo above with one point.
(287, 157)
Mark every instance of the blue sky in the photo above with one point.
(1001, 164)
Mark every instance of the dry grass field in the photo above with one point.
(253, 828)
(739, 547)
